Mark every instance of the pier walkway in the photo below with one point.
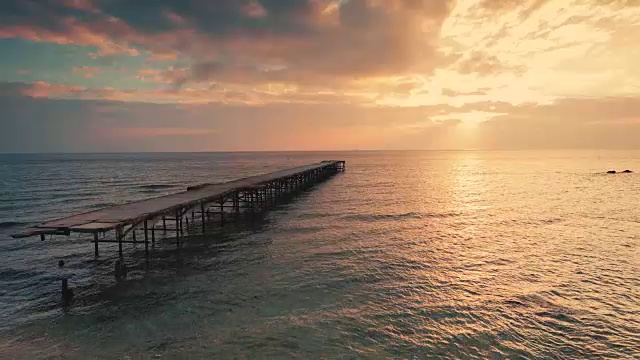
(199, 203)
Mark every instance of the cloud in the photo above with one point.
(45, 124)
(389, 73)
(362, 49)
(454, 93)
(540, 51)
(304, 38)
(107, 34)
(186, 95)
(483, 64)
(567, 123)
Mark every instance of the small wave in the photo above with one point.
(409, 215)
(515, 303)
(545, 221)
(11, 224)
(156, 186)
(150, 191)
(75, 199)
(315, 215)
(11, 274)
(101, 205)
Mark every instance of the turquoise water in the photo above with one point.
(405, 255)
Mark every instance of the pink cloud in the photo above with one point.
(253, 10)
(98, 34)
(175, 18)
(153, 75)
(41, 89)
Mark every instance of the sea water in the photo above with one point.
(464, 254)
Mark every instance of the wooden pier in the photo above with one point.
(142, 221)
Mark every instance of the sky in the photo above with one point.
(244, 75)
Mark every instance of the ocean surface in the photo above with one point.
(437, 254)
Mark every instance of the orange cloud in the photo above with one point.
(77, 33)
(41, 89)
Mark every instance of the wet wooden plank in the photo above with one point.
(94, 226)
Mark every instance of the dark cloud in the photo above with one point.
(304, 38)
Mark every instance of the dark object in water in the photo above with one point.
(627, 172)
(197, 187)
(67, 293)
(61, 263)
(611, 172)
(120, 270)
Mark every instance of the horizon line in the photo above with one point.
(309, 151)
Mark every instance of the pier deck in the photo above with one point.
(253, 193)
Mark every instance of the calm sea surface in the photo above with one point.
(405, 255)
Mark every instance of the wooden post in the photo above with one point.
(95, 243)
(178, 228)
(146, 238)
(119, 236)
(222, 211)
(153, 234)
(236, 203)
(134, 235)
(254, 200)
(202, 216)
(164, 224)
